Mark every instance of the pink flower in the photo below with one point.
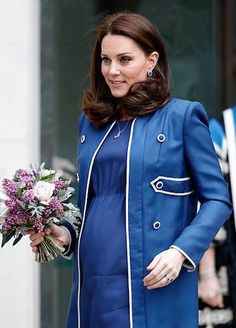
(43, 191)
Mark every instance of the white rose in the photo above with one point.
(45, 173)
(43, 191)
(3, 195)
(3, 211)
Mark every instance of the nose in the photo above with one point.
(114, 69)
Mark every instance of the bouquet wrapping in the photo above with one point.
(34, 199)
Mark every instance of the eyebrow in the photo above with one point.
(122, 54)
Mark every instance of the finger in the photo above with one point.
(156, 278)
(35, 249)
(30, 231)
(48, 231)
(154, 262)
(213, 300)
(219, 301)
(36, 236)
(154, 274)
(161, 283)
(37, 241)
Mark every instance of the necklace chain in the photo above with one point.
(119, 130)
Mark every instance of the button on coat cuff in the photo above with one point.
(188, 263)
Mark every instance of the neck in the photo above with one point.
(124, 117)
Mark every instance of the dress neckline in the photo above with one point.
(129, 119)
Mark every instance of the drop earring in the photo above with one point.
(149, 73)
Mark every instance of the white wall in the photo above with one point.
(19, 145)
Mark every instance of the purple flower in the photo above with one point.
(48, 212)
(13, 205)
(6, 227)
(39, 225)
(59, 185)
(55, 205)
(11, 187)
(13, 221)
(28, 196)
(25, 176)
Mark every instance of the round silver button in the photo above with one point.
(156, 225)
(161, 137)
(82, 139)
(159, 184)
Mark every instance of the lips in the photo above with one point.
(116, 83)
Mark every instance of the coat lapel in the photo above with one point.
(91, 140)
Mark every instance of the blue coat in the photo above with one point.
(171, 165)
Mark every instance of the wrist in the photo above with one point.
(181, 256)
(206, 274)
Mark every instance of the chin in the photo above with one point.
(119, 94)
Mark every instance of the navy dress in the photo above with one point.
(103, 259)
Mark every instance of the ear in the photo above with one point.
(152, 60)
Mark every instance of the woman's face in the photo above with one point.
(124, 63)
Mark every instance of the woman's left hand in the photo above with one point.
(164, 268)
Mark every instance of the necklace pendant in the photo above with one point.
(117, 135)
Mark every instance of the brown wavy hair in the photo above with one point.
(143, 97)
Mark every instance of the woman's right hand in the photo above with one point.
(59, 234)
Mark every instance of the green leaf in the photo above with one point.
(7, 236)
(20, 192)
(48, 177)
(17, 239)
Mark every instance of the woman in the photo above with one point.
(145, 160)
(217, 286)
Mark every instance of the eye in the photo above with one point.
(125, 59)
(106, 60)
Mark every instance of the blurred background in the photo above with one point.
(44, 59)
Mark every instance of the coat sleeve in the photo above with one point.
(209, 185)
(68, 253)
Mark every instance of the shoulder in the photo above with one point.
(181, 108)
(84, 122)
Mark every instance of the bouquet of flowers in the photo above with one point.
(34, 199)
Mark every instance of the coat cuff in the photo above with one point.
(188, 263)
(68, 252)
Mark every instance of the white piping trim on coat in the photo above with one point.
(175, 193)
(127, 224)
(85, 207)
(171, 178)
(231, 140)
(153, 182)
(190, 268)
